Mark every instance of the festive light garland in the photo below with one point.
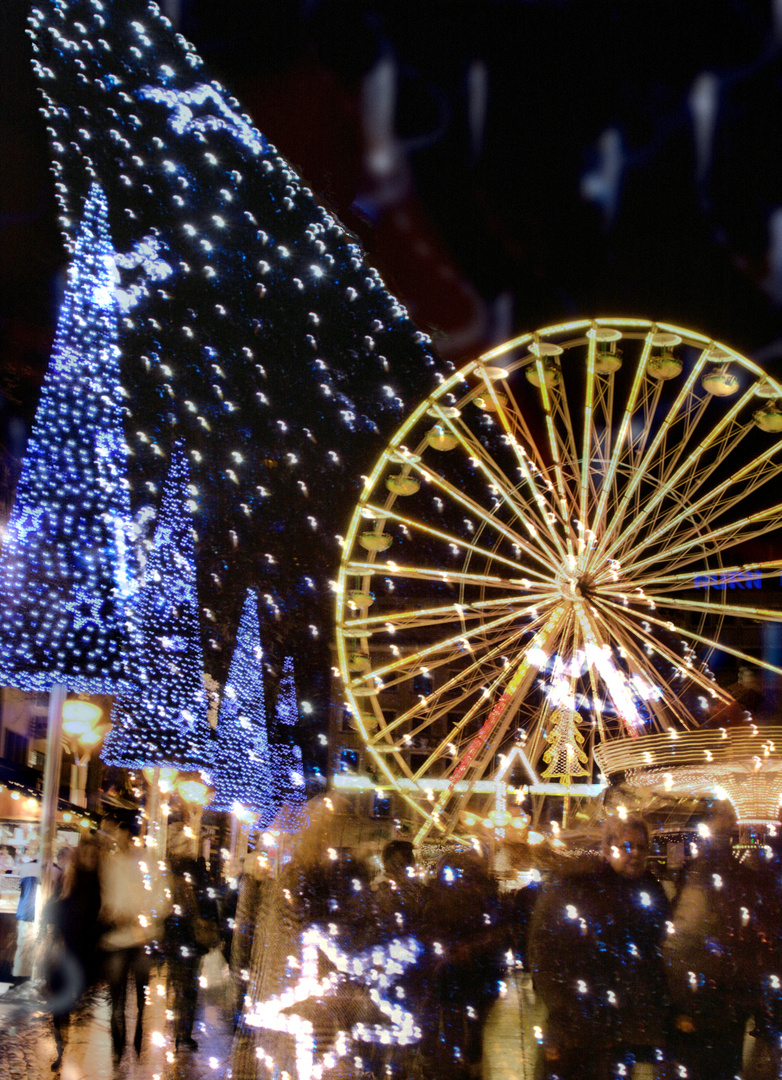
(242, 767)
(67, 566)
(162, 719)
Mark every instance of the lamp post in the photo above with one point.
(194, 795)
(160, 780)
(80, 720)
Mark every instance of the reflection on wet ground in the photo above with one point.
(27, 1048)
(27, 1044)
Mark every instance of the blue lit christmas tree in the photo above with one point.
(287, 765)
(66, 566)
(241, 772)
(287, 710)
(162, 720)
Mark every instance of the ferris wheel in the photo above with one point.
(562, 547)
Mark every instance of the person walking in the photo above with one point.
(188, 937)
(466, 938)
(253, 887)
(133, 907)
(72, 966)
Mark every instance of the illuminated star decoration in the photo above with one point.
(375, 970)
(249, 315)
(67, 567)
(162, 719)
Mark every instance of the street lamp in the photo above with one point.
(80, 721)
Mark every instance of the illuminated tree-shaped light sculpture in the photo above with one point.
(287, 710)
(66, 567)
(162, 720)
(286, 757)
(242, 773)
(564, 758)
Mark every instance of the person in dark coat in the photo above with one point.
(396, 912)
(73, 965)
(253, 885)
(466, 942)
(595, 956)
(188, 937)
(712, 957)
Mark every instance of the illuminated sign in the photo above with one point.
(733, 579)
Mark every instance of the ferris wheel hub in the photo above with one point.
(573, 586)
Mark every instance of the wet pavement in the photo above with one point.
(27, 1048)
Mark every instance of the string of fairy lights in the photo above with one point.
(162, 720)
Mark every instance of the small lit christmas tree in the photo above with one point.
(287, 766)
(288, 784)
(162, 720)
(287, 711)
(564, 758)
(66, 567)
(242, 772)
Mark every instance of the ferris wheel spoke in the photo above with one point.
(745, 575)
(597, 649)
(526, 669)
(591, 445)
(633, 622)
(709, 643)
(707, 544)
(726, 495)
(472, 678)
(701, 466)
(496, 642)
(521, 439)
(490, 518)
(423, 573)
(756, 472)
(654, 452)
(554, 401)
(481, 458)
(547, 518)
(599, 522)
(442, 614)
(703, 606)
(465, 639)
(459, 543)
(635, 645)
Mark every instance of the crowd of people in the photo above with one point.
(390, 971)
(631, 975)
(113, 913)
